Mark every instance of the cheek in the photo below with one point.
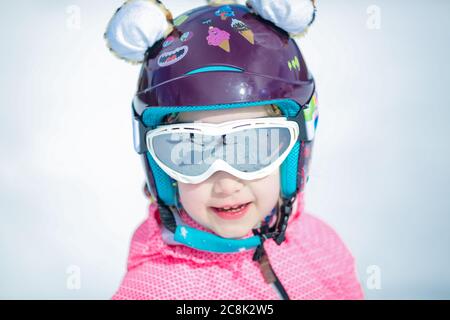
(267, 191)
(193, 196)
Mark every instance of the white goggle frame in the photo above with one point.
(221, 129)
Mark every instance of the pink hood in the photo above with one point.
(312, 263)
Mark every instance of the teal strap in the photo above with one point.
(206, 241)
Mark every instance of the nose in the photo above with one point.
(225, 183)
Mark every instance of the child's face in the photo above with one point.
(223, 188)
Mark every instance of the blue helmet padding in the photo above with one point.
(154, 115)
(207, 241)
(288, 172)
(165, 185)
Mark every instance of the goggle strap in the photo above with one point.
(139, 134)
(300, 119)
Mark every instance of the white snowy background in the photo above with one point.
(70, 181)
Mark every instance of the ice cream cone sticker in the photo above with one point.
(243, 29)
(219, 38)
(224, 12)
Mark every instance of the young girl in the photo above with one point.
(224, 120)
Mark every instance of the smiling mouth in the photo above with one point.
(234, 208)
(232, 212)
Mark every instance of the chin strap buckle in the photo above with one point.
(263, 235)
(259, 252)
(286, 211)
(276, 233)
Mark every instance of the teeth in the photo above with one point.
(232, 209)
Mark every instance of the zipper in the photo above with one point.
(271, 278)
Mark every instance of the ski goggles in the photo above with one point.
(246, 148)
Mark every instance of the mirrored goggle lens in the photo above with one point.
(249, 150)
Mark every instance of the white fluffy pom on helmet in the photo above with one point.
(293, 16)
(136, 26)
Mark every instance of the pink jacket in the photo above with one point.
(312, 263)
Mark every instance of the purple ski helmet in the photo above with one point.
(216, 57)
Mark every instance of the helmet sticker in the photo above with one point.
(217, 37)
(243, 29)
(171, 57)
(207, 21)
(294, 64)
(168, 41)
(186, 36)
(180, 20)
(224, 12)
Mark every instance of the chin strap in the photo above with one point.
(278, 231)
(167, 216)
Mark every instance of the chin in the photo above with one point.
(233, 233)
